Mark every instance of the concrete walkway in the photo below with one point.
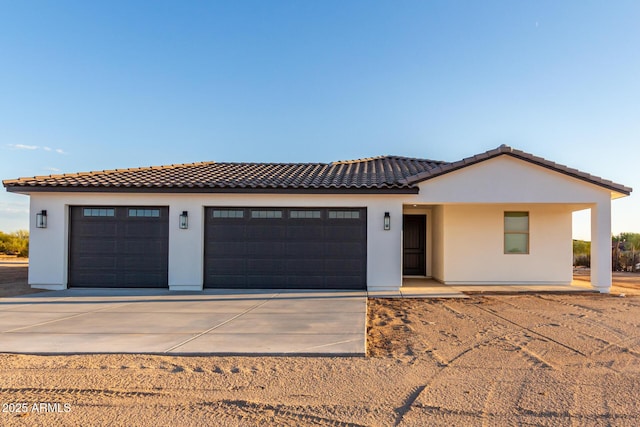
(249, 322)
(429, 288)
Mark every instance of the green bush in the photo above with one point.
(16, 243)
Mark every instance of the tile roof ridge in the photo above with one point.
(385, 157)
(274, 163)
(119, 170)
(360, 160)
(416, 159)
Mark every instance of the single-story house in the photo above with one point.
(500, 217)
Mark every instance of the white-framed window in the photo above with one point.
(516, 232)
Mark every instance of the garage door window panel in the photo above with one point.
(228, 213)
(98, 212)
(344, 214)
(144, 213)
(305, 214)
(266, 214)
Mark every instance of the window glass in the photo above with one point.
(516, 243)
(98, 212)
(516, 221)
(228, 213)
(269, 214)
(516, 232)
(304, 214)
(344, 214)
(144, 213)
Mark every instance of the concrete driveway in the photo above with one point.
(251, 322)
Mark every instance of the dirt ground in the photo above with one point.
(13, 277)
(534, 359)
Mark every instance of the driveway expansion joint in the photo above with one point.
(196, 336)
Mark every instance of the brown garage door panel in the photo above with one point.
(227, 281)
(118, 250)
(288, 251)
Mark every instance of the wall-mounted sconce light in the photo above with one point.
(184, 220)
(41, 219)
(387, 221)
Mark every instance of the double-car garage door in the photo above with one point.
(297, 248)
(285, 248)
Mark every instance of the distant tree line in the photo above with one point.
(16, 243)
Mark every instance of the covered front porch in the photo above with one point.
(457, 248)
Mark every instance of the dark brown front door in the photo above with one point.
(414, 228)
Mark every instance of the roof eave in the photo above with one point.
(173, 190)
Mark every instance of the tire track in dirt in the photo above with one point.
(408, 403)
(582, 308)
(496, 329)
(279, 414)
(605, 342)
(568, 347)
(448, 364)
(530, 356)
(36, 391)
(489, 399)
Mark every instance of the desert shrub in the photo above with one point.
(16, 243)
(582, 261)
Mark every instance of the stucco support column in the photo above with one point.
(601, 246)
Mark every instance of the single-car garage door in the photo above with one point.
(293, 248)
(116, 247)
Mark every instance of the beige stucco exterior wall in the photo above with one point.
(49, 247)
(505, 179)
(474, 246)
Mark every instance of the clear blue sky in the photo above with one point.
(90, 85)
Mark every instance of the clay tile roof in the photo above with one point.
(383, 172)
(393, 173)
